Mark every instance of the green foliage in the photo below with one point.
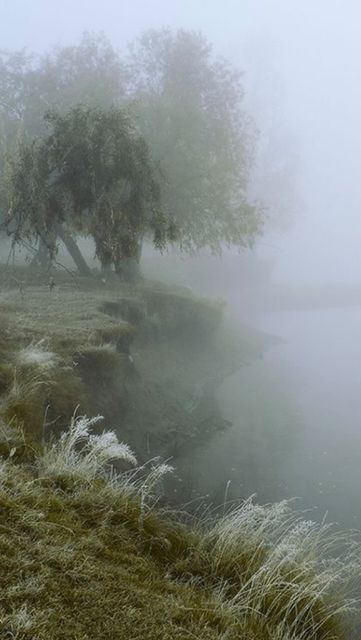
(93, 174)
(90, 72)
(105, 167)
(28, 195)
(189, 106)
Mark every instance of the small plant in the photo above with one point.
(41, 391)
(23, 404)
(12, 441)
(83, 454)
(20, 623)
(38, 355)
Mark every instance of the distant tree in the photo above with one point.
(275, 175)
(90, 73)
(189, 108)
(3, 153)
(91, 175)
(13, 67)
(11, 87)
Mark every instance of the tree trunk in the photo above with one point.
(41, 258)
(106, 267)
(73, 250)
(128, 268)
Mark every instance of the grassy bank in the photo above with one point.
(147, 357)
(87, 554)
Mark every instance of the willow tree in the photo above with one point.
(189, 105)
(90, 72)
(189, 109)
(90, 175)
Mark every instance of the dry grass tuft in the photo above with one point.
(37, 355)
(78, 452)
(37, 389)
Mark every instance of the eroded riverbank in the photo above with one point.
(295, 417)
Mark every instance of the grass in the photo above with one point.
(69, 317)
(147, 357)
(39, 390)
(87, 553)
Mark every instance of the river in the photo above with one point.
(296, 418)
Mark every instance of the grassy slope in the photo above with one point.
(81, 568)
(177, 356)
(85, 557)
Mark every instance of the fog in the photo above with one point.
(295, 413)
(301, 73)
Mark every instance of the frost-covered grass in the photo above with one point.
(283, 568)
(79, 452)
(37, 354)
(87, 553)
(38, 388)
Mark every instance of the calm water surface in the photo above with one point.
(296, 418)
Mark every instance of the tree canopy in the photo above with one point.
(189, 108)
(91, 175)
(176, 127)
(90, 73)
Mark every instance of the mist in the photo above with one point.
(301, 75)
(234, 354)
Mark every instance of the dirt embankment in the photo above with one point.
(148, 358)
